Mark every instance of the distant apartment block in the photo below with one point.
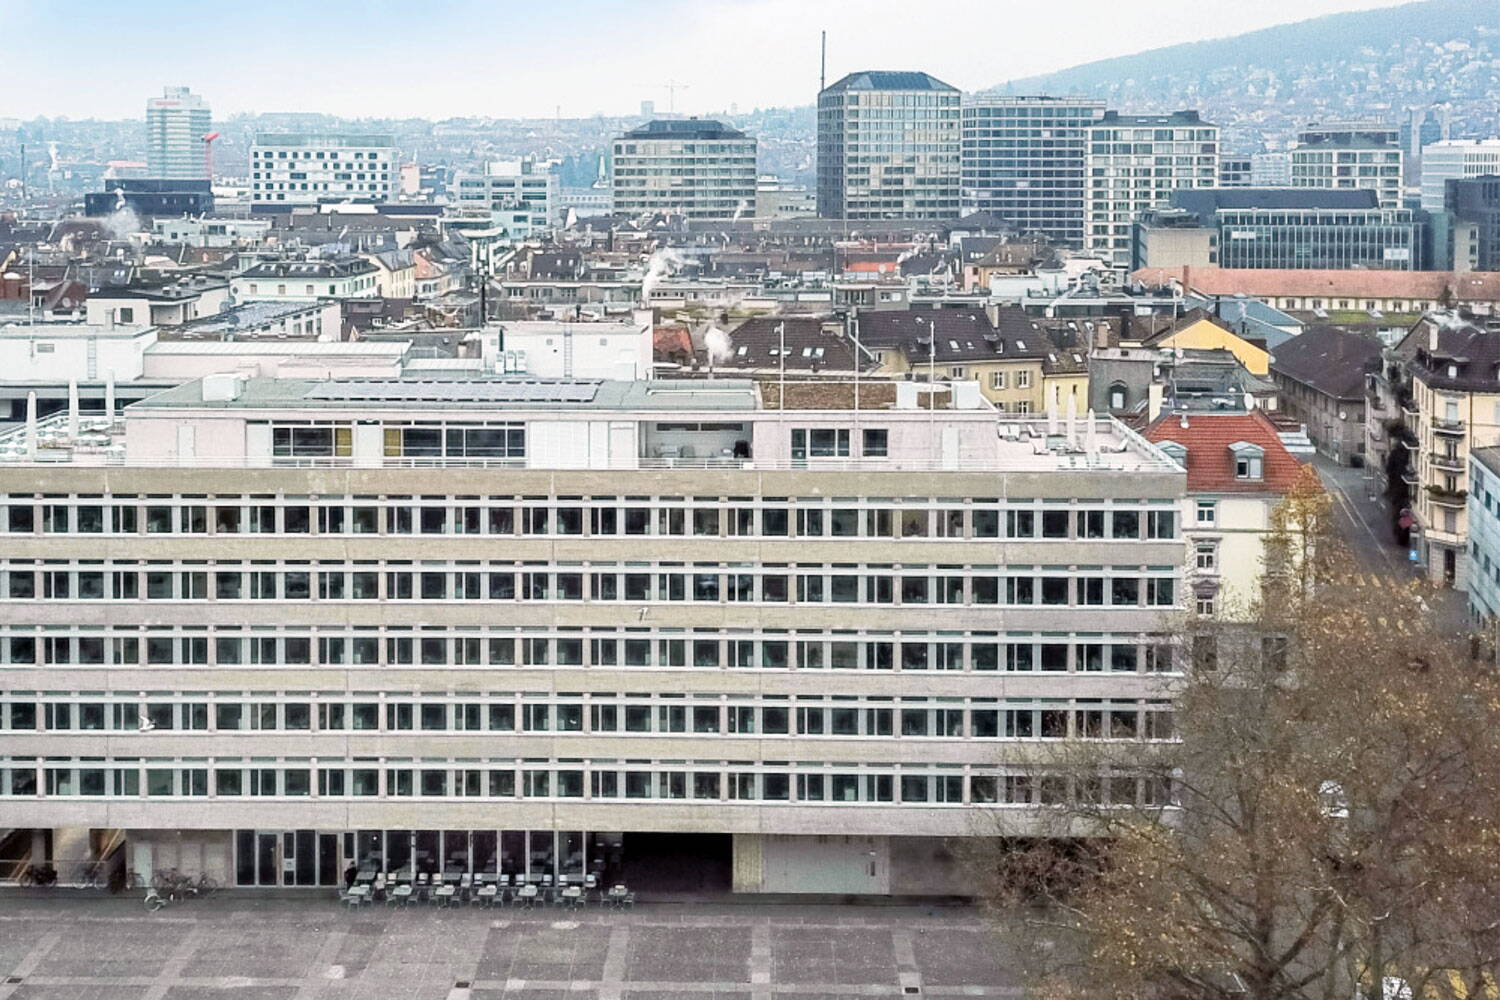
(1350, 155)
(507, 185)
(291, 169)
(1271, 170)
(889, 147)
(1024, 159)
(694, 167)
(1135, 162)
(1236, 171)
(176, 123)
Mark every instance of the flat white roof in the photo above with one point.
(393, 349)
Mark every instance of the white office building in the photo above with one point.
(507, 186)
(1455, 159)
(290, 169)
(176, 123)
(573, 630)
(697, 168)
(1350, 155)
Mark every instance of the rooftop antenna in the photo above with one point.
(823, 65)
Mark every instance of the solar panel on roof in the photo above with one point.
(456, 391)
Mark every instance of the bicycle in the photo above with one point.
(154, 900)
(206, 885)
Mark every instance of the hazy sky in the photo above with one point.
(441, 58)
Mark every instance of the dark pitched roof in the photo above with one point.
(684, 128)
(961, 334)
(1329, 360)
(1469, 350)
(879, 79)
(1210, 462)
(757, 342)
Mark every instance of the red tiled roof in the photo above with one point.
(1210, 463)
(1283, 283)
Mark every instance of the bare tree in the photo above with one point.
(1326, 825)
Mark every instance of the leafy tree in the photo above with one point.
(1326, 826)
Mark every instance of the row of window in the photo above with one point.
(709, 517)
(909, 718)
(1047, 654)
(706, 583)
(709, 781)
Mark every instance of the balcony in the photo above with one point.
(1452, 428)
(1409, 407)
(1447, 498)
(1448, 463)
(1409, 477)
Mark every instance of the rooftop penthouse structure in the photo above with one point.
(268, 628)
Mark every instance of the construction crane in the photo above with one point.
(208, 154)
(672, 87)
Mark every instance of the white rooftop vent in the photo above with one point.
(223, 387)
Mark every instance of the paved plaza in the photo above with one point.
(66, 945)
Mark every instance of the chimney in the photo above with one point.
(1432, 336)
(1186, 274)
(1183, 421)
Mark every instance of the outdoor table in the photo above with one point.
(617, 894)
(445, 893)
(402, 893)
(572, 896)
(487, 894)
(527, 894)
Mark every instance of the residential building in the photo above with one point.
(1005, 356)
(306, 280)
(507, 185)
(176, 124)
(889, 147)
(1199, 330)
(778, 199)
(395, 273)
(1455, 160)
(1236, 171)
(492, 626)
(198, 231)
(1321, 377)
(1237, 472)
(1271, 170)
(1324, 229)
(290, 169)
(794, 347)
(1469, 233)
(1025, 160)
(1449, 399)
(1135, 162)
(1348, 156)
(692, 167)
(159, 303)
(1483, 579)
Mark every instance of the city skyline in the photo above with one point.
(568, 59)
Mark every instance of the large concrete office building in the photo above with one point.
(698, 168)
(1350, 155)
(176, 123)
(1024, 159)
(290, 169)
(268, 628)
(889, 147)
(1468, 228)
(1135, 162)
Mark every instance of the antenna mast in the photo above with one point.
(823, 65)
